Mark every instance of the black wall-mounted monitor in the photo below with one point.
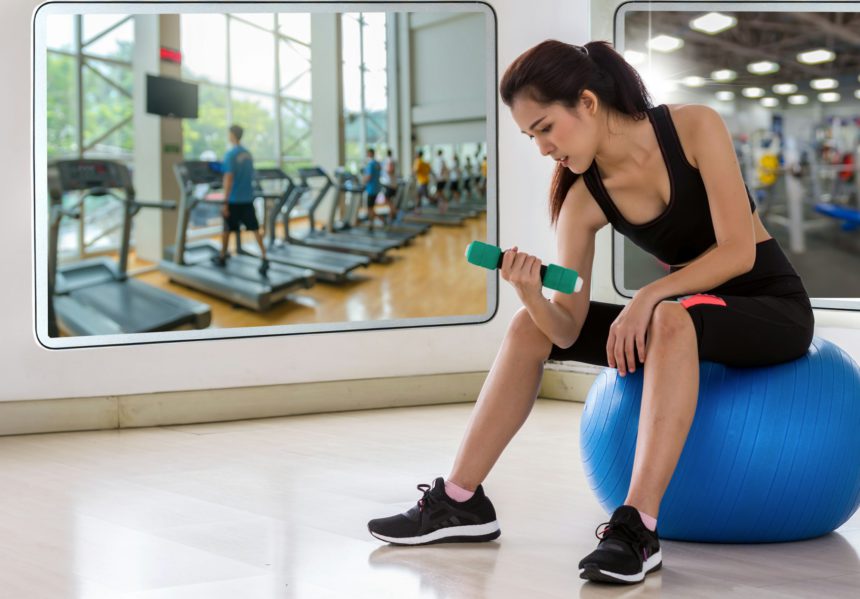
(171, 97)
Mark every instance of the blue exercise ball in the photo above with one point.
(773, 453)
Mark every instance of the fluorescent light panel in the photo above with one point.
(665, 43)
(765, 67)
(784, 88)
(724, 75)
(820, 84)
(713, 23)
(816, 56)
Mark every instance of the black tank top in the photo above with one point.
(684, 230)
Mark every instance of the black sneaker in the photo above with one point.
(439, 519)
(264, 267)
(627, 550)
(220, 261)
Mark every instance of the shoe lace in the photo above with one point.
(621, 531)
(427, 499)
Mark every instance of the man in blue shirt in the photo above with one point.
(238, 188)
(372, 185)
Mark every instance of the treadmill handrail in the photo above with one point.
(315, 172)
(290, 200)
(188, 200)
(162, 205)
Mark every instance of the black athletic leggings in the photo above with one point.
(760, 318)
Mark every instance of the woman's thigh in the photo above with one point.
(590, 346)
(750, 331)
(731, 330)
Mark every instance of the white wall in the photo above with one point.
(32, 372)
(446, 72)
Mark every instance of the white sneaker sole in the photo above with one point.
(476, 532)
(651, 564)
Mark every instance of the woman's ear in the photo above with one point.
(589, 102)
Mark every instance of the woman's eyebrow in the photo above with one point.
(535, 124)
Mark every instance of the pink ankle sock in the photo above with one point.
(650, 522)
(456, 493)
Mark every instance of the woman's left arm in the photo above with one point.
(711, 145)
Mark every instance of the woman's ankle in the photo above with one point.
(457, 492)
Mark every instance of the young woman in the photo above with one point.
(667, 178)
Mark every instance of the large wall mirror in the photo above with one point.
(785, 79)
(357, 139)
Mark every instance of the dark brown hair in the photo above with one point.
(554, 71)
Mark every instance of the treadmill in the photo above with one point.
(375, 249)
(429, 214)
(349, 184)
(96, 296)
(475, 201)
(239, 281)
(329, 266)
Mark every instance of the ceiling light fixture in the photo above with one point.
(713, 23)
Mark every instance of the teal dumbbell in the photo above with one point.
(553, 276)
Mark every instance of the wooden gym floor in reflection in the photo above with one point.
(428, 278)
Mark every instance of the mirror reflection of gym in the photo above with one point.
(368, 138)
(786, 84)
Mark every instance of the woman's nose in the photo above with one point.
(545, 148)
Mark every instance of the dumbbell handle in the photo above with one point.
(553, 276)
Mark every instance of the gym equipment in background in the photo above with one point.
(96, 296)
(553, 276)
(353, 190)
(413, 212)
(771, 455)
(331, 240)
(239, 281)
(279, 188)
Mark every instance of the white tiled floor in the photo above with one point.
(278, 508)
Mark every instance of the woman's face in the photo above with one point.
(566, 134)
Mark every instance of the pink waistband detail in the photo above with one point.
(702, 298)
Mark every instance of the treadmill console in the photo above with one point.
(201, 171)
(309, 173)
(265, 174)
(74, 175)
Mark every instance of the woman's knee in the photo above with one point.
(526, 332)
(670, 320)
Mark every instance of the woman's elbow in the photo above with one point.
(566, 341)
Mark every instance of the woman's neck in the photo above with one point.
(627, 144)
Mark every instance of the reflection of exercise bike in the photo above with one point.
(97, 297)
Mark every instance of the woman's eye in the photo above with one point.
(546, 129)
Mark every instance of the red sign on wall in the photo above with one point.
(170, 55)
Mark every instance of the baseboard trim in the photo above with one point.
(219, 405)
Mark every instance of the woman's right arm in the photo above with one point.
(561, 317)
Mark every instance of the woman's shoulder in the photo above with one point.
(696, 124)
(691, 117)
(581, 208)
